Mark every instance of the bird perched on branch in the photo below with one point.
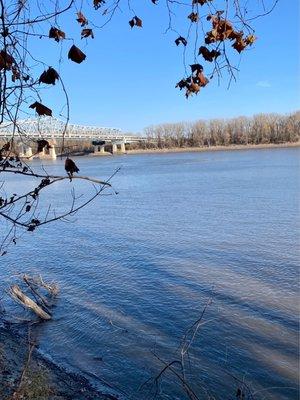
(70, 167)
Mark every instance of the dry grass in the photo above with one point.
(35, 386)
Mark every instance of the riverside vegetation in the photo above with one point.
(256, 130)
(261, 129)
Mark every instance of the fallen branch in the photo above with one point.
(17, 294)
(51, 288)
(39, 298)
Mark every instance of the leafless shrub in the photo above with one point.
(179, 371)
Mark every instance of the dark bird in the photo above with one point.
(70, 167)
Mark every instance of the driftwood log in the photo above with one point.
(27, 302)
(38, 297)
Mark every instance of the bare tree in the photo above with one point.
(259, 129)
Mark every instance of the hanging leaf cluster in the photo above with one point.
(75, 54)
(6, 60)
(8, 63)
(136, 21)
(87, 32)
(49, 77)
(208, 55)
(222, 30)
(194, 17)
(98, 3)
(82, 19)
(194, 82)
(181, 40)
(56, 34)
(201, 2)
(41, 109)
(212, 50)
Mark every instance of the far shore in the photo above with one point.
(201, 149)
(213, 148)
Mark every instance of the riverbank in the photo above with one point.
(43, 379)
(213, 148)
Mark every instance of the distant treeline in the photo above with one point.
(259, 129)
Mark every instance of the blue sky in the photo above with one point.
(128, 78)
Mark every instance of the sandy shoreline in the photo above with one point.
(213, 148)
(197, 149)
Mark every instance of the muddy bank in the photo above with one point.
(42, 380)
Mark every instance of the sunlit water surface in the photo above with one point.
(135, 271)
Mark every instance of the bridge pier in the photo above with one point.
(99, 149)
(122, 147)
(114, 148)
(24, 150)
(52, 153)
(28, 151)
(118, 147)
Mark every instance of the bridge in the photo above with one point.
(51, 128)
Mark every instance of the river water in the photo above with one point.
(136, 269)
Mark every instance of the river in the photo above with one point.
(136, 269)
